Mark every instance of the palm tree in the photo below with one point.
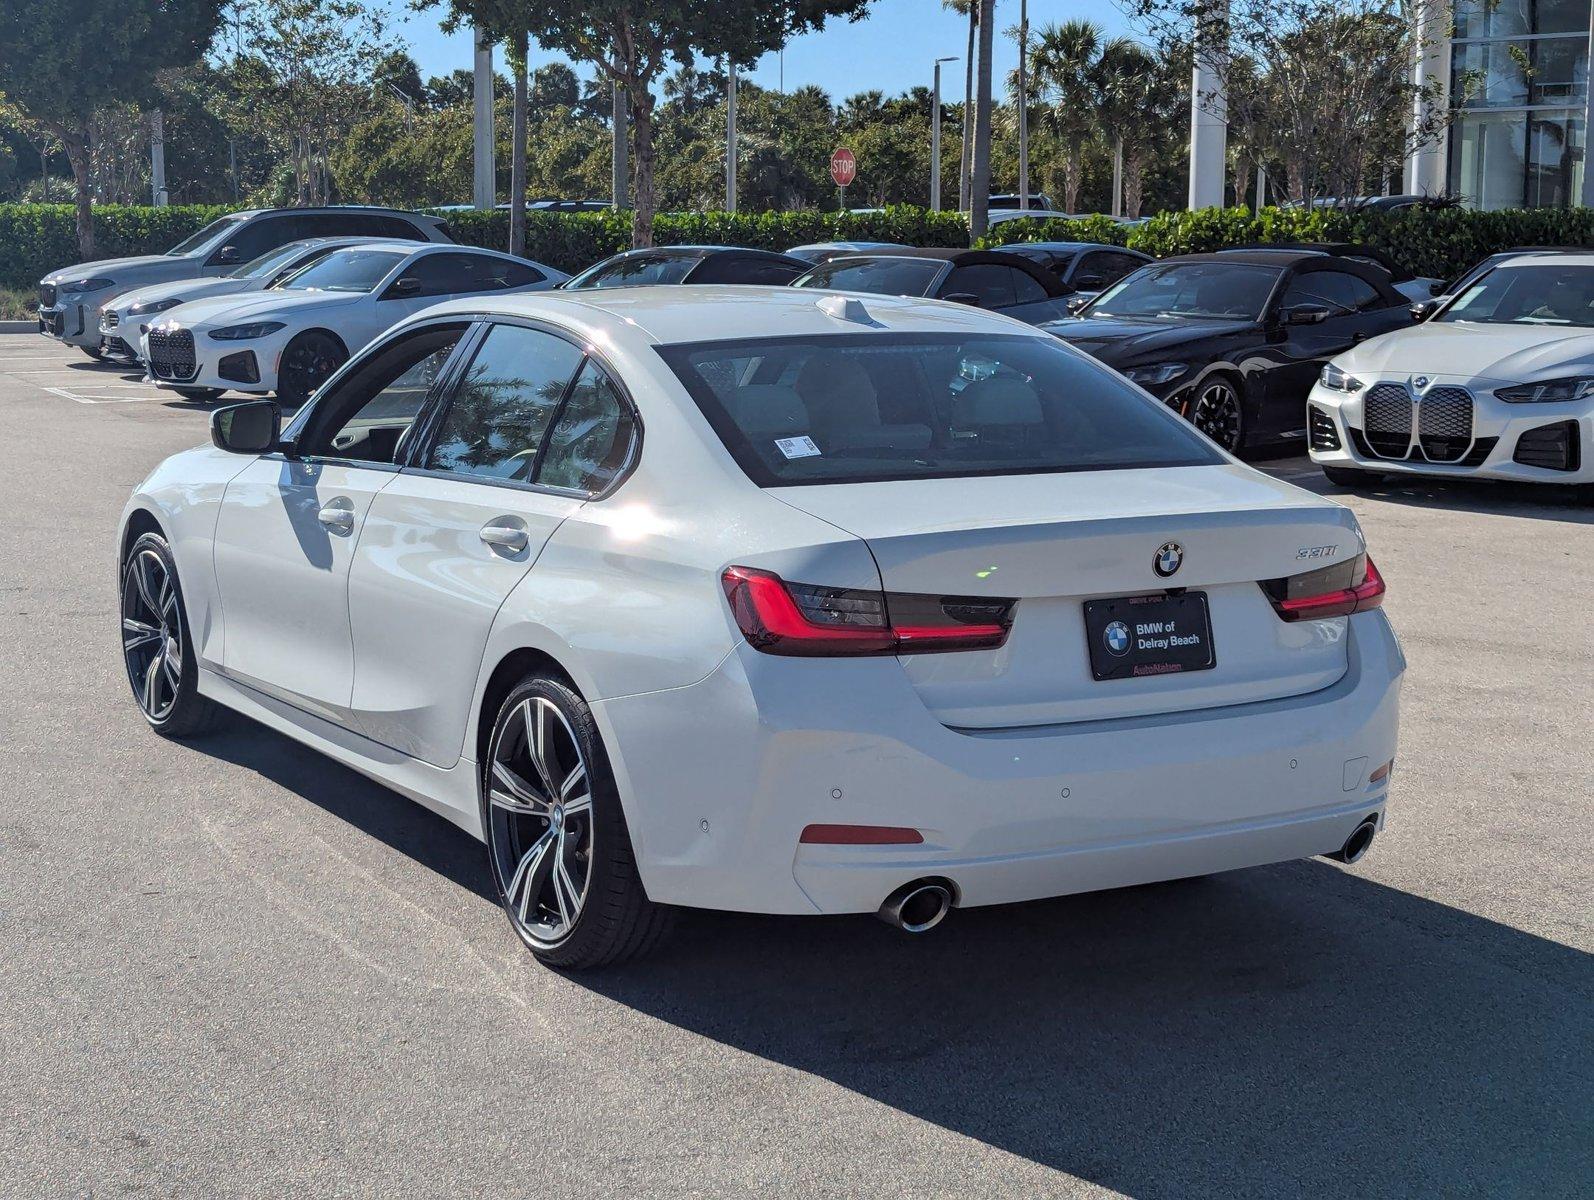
(1063, 63)
(971, 10)
(1127, 76)
(980, 163)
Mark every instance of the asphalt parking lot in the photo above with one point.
(231, 968)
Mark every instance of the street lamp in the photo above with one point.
(935, 135)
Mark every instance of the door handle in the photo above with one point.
(505, 537)
(337, 515)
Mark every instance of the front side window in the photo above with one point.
(1190, 291)
(849, 408)
(1547, 295)
(887, 276)
(503, 405)
(357, 270)
(635, 271)
(367, 415)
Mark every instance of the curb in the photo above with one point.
(19, 327)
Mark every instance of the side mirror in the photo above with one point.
(249, 428)
(1076, 304)
(1307, 314)
(1424, 309)
(404, 285)
(968, 298)
(227, 255)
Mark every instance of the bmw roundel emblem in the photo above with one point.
(1170, 557)
(1116, 636)
(1418, 382)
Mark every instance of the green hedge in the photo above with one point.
(35, 238)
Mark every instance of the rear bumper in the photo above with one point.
(720, 779)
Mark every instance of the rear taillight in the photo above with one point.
(1349, 587)
(803, 620)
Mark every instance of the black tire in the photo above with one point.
(1350, 477)
(521, 811)
(307, 361)
(200, 395)
(152, 609)
(93, 352)
(1217, 409)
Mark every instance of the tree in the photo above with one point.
(1133, 94)
(61, 62)
(397, 74)
(1064, 64)
(971, 10)
(632, 40)
(1321, 88)
(980, 162)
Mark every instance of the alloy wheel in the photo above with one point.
(152, 634)
(540, 815)
(1216, 413)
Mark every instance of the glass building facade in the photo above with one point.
(1519, 78)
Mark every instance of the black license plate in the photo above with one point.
(1134, 636)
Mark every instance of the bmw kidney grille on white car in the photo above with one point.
(764, 600)
(1497, 384)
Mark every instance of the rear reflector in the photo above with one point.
(860, 835)
(1348, 587)
(1381, 773)
(805, 620)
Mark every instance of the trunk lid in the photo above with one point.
(1053, 542)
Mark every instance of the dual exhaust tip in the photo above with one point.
(920, 906)
(917, 907)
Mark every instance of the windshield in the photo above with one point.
(343, 271)
(1189, 291)
(889, 276)
(848, 408)
(193, 242)
(1548, 295)
(268, 262)
(636, 272)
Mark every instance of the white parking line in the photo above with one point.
(65, 394)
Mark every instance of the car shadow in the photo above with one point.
(1288, 1030)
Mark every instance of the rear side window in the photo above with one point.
(1340, 290)
(1026, 289)
(591, 440)
(989, 284)
(503, 405)
(849, 408)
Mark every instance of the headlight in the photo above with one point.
(86, 285)
(152, 306)
(1550, 391)
(1336, 380)
(242, 333)
(1156, 373)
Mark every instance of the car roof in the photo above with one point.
(1073, 247)
(726, 312)
(1282, 257)
(1335, 250)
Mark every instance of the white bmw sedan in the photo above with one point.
(1497, 384)
(127, 317)
(772, 601)
(289, 338)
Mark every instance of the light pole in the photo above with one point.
(485, 191)
(935, 135)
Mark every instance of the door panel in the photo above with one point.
(423, 593)
(285, 537)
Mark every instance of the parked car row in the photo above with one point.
(1233, 341)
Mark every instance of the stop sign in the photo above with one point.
(843, 167)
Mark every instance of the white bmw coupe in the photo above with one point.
(775, 601)
(292, 336)
(1497, 384)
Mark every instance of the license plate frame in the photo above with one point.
(1156, 626)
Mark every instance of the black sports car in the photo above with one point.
(995, 279)
(1082, 268)
(1234, 341)
(690, 264)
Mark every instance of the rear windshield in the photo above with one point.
(636, 272)
(848, 408)
(882, 276)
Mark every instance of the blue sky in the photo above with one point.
(891, 49)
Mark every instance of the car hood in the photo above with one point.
(257, 306)
(1122, 339)
(1463, 350)
(129, 272)
(184, 290)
